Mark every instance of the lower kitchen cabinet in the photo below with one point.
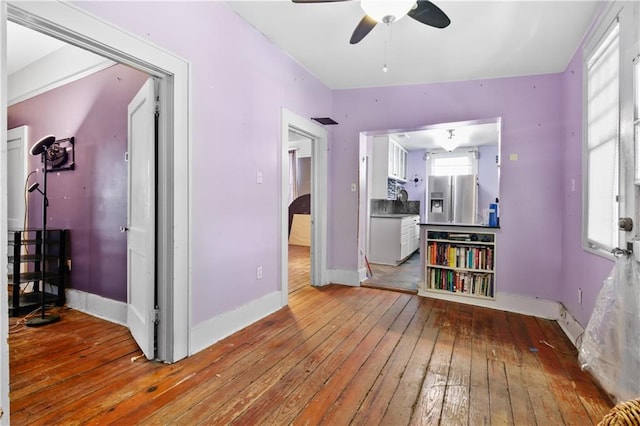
(393, 238)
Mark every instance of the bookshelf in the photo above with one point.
(460, 263)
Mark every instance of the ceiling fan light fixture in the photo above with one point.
(387, 11)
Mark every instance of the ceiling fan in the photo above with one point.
(388, 11)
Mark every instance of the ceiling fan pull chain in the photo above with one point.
(386, 41)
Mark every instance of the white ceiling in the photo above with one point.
(486, 39)
(25, 46)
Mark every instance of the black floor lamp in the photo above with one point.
(40, 148)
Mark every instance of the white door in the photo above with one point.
(141, 219)
(17, 140)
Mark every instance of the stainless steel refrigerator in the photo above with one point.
(452, 199)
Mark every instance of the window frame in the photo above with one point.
(473, 154)
(610, 23)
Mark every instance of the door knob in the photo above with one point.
(625, 224)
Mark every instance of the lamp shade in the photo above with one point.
(387, 10)
(42, 145)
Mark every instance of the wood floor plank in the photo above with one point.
(403, 402)
(571, 408)
(544, 405)
(455, 408)
(428, 407)
(349, 401)
(237, 369)
(335, 355)
(479, 374)
(591, 395)
(321, 402)
(297, 400)
(386, 386)
(288, 388)
(226, 403)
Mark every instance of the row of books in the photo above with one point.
(478, 284)
(467, 257)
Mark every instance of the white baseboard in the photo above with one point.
(97, 306)
(209, 332)
(536, 307)
(571, 327)
(344, 277)
(505, 302)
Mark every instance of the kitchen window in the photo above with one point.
(453, 164)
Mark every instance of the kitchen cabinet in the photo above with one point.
(393, 238)
(388, 167)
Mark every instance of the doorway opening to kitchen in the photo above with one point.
(439, 174)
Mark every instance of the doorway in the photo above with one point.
(299, 214)
(64, 22)
(304, 129)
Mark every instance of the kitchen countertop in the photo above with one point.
(459, 225)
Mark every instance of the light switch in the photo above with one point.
(353, 187)
(513, 157)
(259, 177)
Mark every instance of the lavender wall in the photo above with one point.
(239, 82)
(529, 242)
(91, 200)
(581, 269)
(237, 91)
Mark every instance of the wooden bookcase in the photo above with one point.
(460, 262)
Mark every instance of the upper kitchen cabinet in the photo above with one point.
(389, 167)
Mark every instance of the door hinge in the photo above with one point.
(156, 316)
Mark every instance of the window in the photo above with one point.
(453, 164)
(603, 105)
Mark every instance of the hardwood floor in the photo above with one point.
(299, 267)
(336, 355)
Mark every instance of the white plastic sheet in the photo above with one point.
(610, 348)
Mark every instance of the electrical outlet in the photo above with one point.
(580, 296)
(259, 272)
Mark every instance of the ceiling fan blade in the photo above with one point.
(365, 25)
(429, 14)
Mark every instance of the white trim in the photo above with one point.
(70, 23)
(571, 327)
(211, 331)
(4, 305)
(97, 306)
(534, 306)
(346, 277)
(541, 308)
(61, 67)
(319, 147)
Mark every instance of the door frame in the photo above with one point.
(318, 249)
(75, 26)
